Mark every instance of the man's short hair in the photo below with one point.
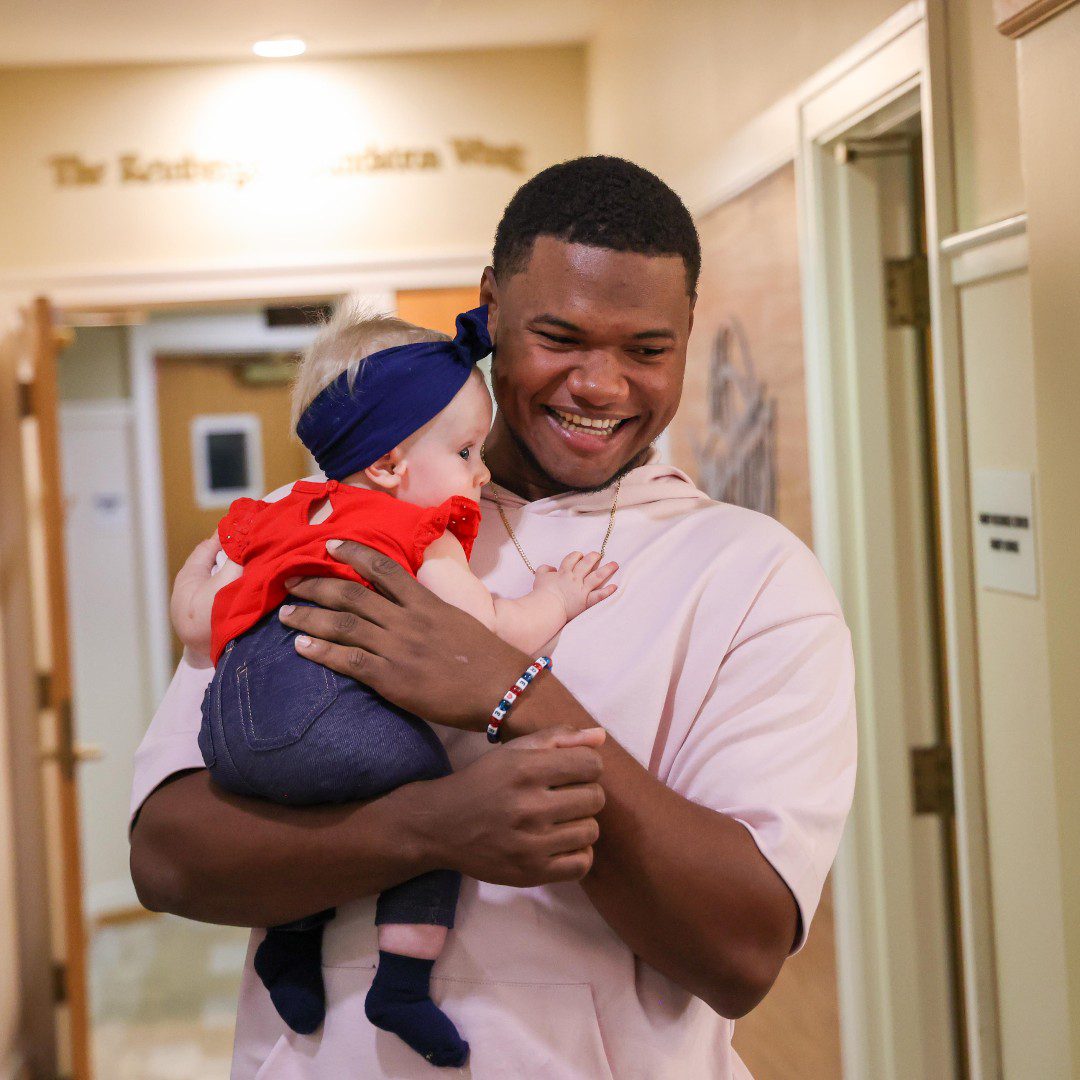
(605, 202)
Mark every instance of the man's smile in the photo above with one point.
(587, 433)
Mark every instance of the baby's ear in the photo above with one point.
(388, 470)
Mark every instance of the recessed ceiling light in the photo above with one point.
(281, 45)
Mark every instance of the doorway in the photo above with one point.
(891, 527)
(162, 991)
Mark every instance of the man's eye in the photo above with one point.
(556, 339)
(650, 353)
(464, 454)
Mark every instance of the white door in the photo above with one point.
(111, 688)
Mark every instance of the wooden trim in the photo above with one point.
(984, 234)
(46, 402)
(36, 1032)
(161, 286)
(124, 916)
(1014, 18)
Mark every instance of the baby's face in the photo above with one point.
(443, 458)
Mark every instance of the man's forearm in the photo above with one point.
(684, 886)
(201, 852)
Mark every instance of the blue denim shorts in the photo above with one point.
(281, 727)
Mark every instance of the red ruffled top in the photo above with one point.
(274, 541)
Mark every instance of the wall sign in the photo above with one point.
(1005, 531)
(73, 170)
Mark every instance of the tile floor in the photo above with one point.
(163, 998)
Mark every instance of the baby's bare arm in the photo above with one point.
(530, 621)
(193, 595)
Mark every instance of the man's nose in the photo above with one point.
(598, 380)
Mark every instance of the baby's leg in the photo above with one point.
(413, 920)
(250, 718)
(281, 727)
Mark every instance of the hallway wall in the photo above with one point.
(723, 64)
(351, 158)
(1050, 145)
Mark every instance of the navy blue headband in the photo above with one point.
(396, 392)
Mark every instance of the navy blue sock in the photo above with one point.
(289, 962)
(399, 1001)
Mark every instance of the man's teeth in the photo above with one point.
(570, 422)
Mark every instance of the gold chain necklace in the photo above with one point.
(517, 543)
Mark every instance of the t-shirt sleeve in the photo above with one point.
(457, 515)
(170, 744)
(773, 747)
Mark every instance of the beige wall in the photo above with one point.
(983, 88)
(95, 366)
(1050, 144)
(288, 119)
(1016, 716)
(669, 83)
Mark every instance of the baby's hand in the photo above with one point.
(580, 581)
(193, 598)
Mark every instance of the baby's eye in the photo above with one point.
(464, 454)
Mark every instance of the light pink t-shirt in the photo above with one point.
(723, 665)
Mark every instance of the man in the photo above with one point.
(624, 901)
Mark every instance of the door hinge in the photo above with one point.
(907, 292)
(59, 976)
(44, 689)
(932, 780)
(26, 399)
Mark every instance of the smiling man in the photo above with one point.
(626, 900)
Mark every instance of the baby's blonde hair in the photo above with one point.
(351, 335)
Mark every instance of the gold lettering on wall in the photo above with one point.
(478, 152)
(141, 170)
(69, 170)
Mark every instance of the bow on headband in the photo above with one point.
(397, 392)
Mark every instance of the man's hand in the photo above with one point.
(193, 595)
(417, 651)
(524, 814)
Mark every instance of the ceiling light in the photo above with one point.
(281, 45)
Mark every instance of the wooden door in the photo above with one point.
(436, 309)
(61, 756)
(28, 946)
(194, 386)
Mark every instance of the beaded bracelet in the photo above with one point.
(502, 710)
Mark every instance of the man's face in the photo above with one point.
(590, 350)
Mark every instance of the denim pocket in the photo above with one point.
(281, 695)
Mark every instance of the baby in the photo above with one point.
(396, 416)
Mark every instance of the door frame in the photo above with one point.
(907, 52)
(876, 952)
(181, 335)
(130, 293)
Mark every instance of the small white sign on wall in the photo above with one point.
(1004, 510)
(227, 459)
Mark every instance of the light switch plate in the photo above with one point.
(1005, 531)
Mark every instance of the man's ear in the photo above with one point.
(489, 294)
(388, 472)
